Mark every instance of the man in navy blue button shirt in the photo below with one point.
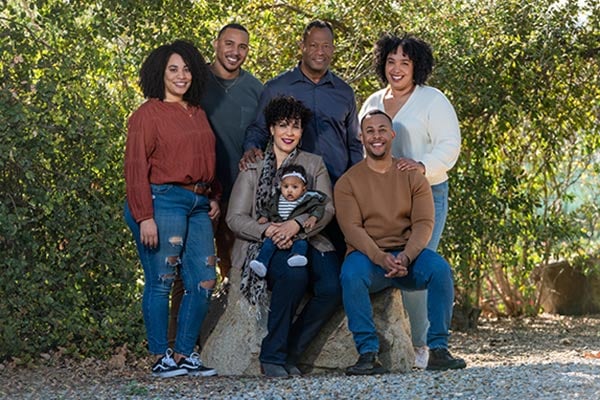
(333, 130)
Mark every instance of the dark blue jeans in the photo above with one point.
(286, 340)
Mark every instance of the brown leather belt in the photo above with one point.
(200, 188)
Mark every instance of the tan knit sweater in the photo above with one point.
(384, 211)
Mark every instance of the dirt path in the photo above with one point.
(495, 345)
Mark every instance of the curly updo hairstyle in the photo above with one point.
(286, 108)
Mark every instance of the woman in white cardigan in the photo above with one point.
(427, 139)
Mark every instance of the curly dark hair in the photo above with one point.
(417, 50)
(297, 168)
(283, 108)
(153, 70)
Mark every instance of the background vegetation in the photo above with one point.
(524, 77)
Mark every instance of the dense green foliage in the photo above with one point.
(524, 78)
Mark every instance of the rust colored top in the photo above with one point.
(166, 143)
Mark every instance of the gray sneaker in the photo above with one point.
(292, 369)
(273, 370)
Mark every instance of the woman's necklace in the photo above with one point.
(226, 88)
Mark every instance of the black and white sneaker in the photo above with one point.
(194, 366)
(166, 367)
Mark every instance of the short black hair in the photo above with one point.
(153, 71)
(233, 25)
(294, 168)
(320, 24)
(417, 50)
(375, 112)
(282, 108)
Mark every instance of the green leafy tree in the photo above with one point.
(523, 76)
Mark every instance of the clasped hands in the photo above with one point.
(396, 266)
(282, 233)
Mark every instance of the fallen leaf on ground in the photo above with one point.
(592, 354)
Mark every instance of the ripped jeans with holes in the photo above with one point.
(186, 241)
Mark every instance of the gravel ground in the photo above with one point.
(549, 357)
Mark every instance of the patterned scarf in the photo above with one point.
(252, 287)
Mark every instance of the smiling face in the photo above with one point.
(286, 136)
(177, 78)
(376, 135)
(317, 52)
(399, 70)
(231, 50)
(292, 188)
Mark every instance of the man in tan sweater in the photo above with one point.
(386, 215)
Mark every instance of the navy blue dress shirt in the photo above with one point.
(332, 131)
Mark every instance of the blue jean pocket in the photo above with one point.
(161, 189)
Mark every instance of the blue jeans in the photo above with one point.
(186, 241)
(415, 302)
(268, 248)
(286, 341)
(360, 277)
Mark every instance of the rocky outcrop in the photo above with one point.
(233, 345)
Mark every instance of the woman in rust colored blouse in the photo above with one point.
(171, 199)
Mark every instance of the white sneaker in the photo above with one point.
(297, 261)
(258, 268)
(421, 357)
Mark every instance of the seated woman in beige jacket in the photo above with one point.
(254, 187)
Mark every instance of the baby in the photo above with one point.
(292, 201)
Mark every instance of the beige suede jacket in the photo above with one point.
(241, 212)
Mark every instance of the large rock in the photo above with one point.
(233, 345)
(567, 290)
(334, 348)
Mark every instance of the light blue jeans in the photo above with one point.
(415, 302)
(186, 244)
(360, 277)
